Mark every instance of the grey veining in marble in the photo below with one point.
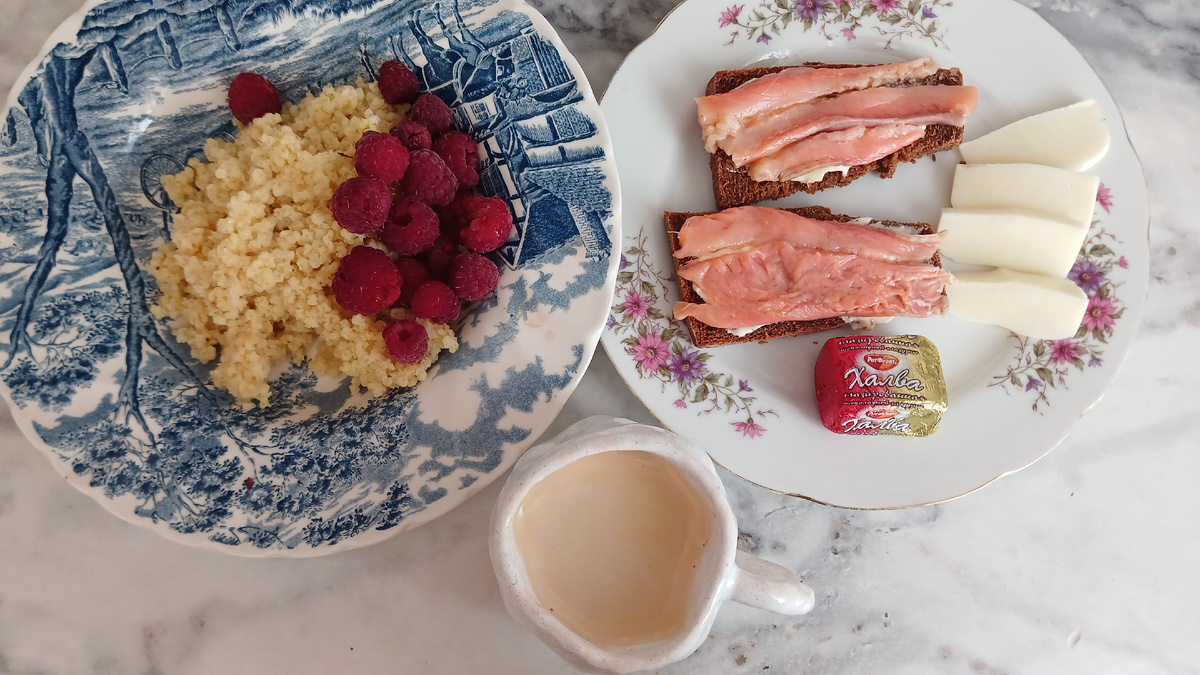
(1085, 562)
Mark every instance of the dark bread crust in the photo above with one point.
(704, 335)
(734, 187)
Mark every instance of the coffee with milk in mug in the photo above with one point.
(615, 544)
(611, 543)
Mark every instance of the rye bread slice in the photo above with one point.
(704, 335)
(734, 187)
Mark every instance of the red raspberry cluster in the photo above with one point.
(415, 192)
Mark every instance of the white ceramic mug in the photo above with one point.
(724, 573)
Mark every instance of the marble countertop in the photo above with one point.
(1085, 562)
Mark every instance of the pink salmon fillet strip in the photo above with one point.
(782, 282)
(752, 226)
(724, 115)
(915, 106)
(848, 147)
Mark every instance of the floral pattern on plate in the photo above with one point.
(1041, 365)
(893, 19)
(650, 110)
(662, 350)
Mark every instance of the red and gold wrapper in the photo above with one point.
(874, 384)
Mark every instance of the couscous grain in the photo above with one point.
(254, 248)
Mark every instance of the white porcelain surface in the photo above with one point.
(753, 406)
(1083, 563)
(724, 573)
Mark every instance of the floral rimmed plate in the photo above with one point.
(127, 91)
(753, 406)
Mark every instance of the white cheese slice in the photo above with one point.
(1074, 138)
(1068, 195)
(1041, 307)
(1025, 241)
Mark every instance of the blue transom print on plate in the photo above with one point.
(114, 399)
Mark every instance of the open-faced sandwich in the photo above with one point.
(751, 274)
(775, 131)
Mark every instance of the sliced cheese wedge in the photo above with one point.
(1074, 138)
(1025, 241)
(1041, 307)
(1058, 193)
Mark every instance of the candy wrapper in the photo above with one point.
(872, 384)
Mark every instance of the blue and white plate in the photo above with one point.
(127, 91)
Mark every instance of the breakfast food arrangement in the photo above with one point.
(723, 308)
(316, 228)
(752, 273)
(296, 304)
(371, 295)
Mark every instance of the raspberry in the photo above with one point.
(380, 155)
(489, 223)
(251, 96)
(460, 152)
(454, 214)
(413, 135)
(429, 179)
(473, 277)
(406, 341)
(432, 112)
(440, 255)
(397, 83)
(361, 205)
(435, 301)
(414, 274)
(411, 227)
(367, 281)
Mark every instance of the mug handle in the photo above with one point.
(769, 586)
